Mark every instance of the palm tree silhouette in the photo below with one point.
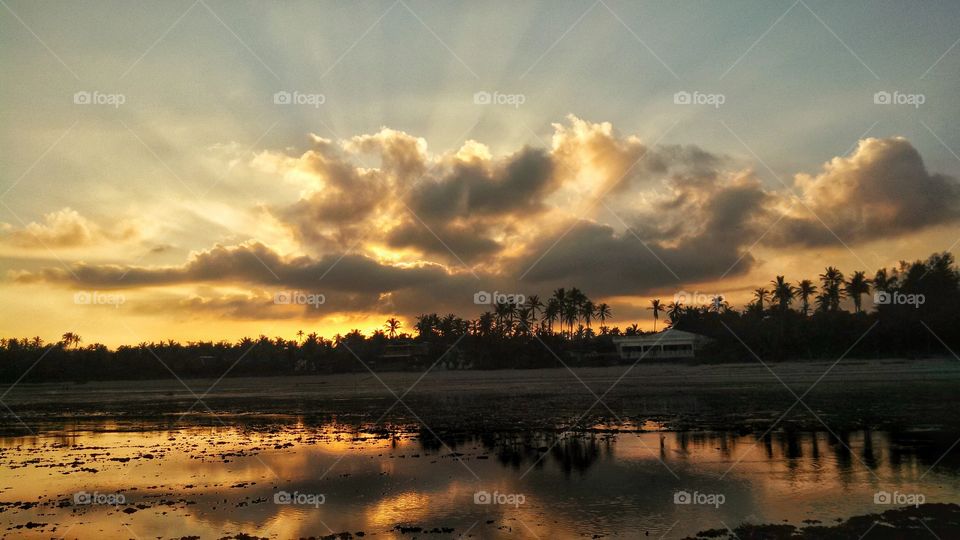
(882, 281)
(570, 315)
(761, 294)
(857, 286)
(299, 336)
(656, 307)
(392, 325)
(674, 311)
(551, 313)
(587, 310)
(560, 297)
(603, 313)
(831, 280)
(805, 289)
(533, 304)
(71, 338)
(504, 311)
(783, 292)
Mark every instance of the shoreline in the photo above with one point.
(847, 395)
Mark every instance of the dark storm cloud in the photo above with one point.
(471, 189)
(252, 263)
(451, 241)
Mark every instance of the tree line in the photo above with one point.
(915, 313)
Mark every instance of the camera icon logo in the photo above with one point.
(882, 497)
(482, 98)
(282, 98)
(882, 98)
(82, 297)
(881, 297)
(283, 297)
(682, 497)
(81, 98)
(682, 98)
(482, 497)
(82, 497)
(282, 497)
(482, 298)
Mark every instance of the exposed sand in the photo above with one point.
(850, 394)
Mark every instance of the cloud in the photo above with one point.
(882, 190)
(384, 225)
(706, 238)
(65, 228)
(250, 263)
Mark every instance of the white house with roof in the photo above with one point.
(667, 344)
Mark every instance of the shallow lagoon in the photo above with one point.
(217, 482)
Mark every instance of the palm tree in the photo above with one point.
(570, 315)
(602, 314)
(71, 338)
(761, 295)
(882, 281)
(805, 289)
(576, 298)
(560, 297)
(485, 323)
(657, 308)
(674, 311)
(857, 286)
(392, 325)
(823, 302)
(831, 280)
(533, 304)
(299, 336)
(525, 320)
(783, 292)
(587, 309)
(504, 311)
(551, 313)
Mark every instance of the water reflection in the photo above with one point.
(213, 482)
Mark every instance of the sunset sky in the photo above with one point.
(156, 184)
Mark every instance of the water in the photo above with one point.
(213, 482)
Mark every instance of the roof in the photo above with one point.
(669, 334)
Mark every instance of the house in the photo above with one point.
(668, 344)
(403, 355)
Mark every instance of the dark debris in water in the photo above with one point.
(926, 521)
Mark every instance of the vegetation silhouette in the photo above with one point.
(917, 315)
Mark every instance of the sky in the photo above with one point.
(205, 170)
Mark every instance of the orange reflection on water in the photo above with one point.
(215, 482)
